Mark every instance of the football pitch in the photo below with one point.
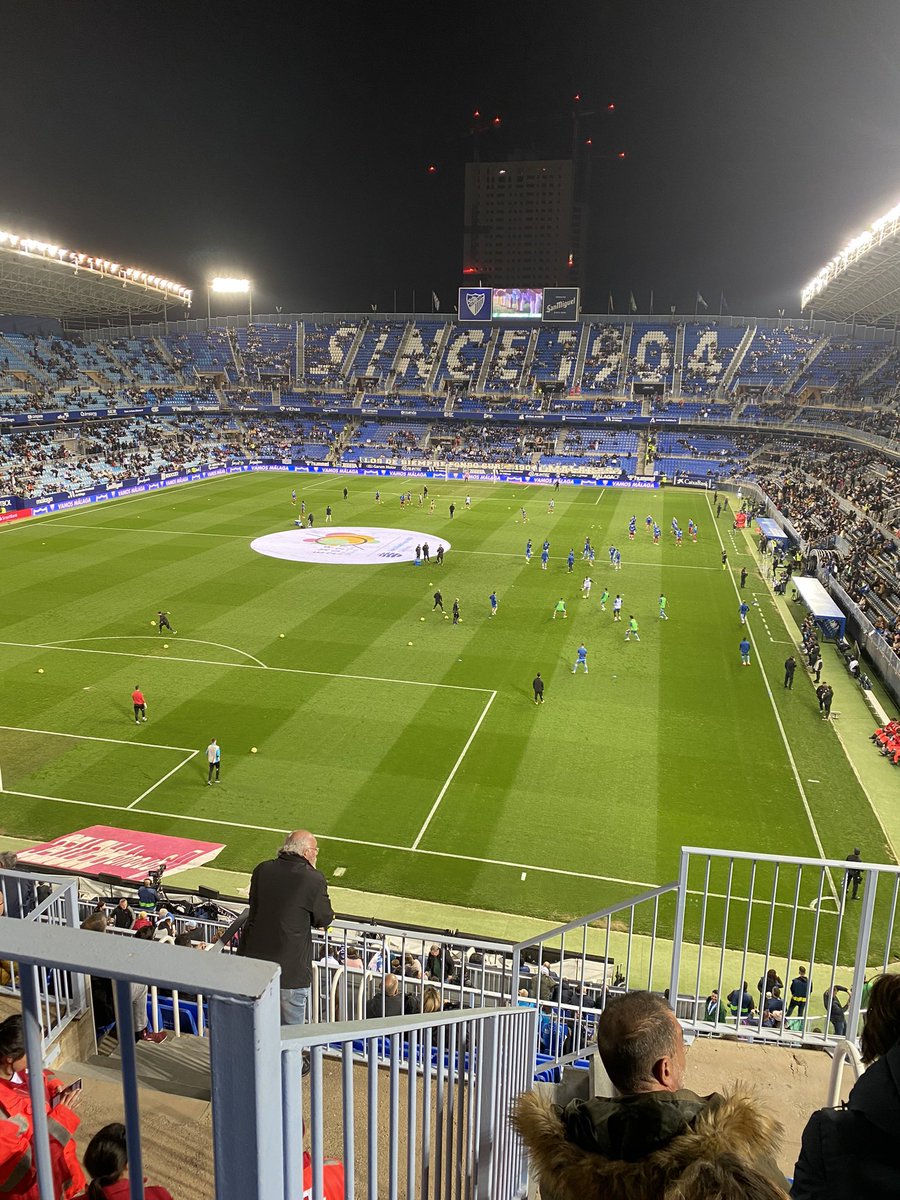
(410, 745)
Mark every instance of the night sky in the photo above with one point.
(291, 142)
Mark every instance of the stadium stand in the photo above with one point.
(651, 355)
(325, 350)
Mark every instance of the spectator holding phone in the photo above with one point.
(18, 1174)
(106, 1161)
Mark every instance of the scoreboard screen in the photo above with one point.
(517, 304)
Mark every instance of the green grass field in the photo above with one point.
(425, 769)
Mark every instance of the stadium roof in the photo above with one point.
(41, 279)
(862, 283)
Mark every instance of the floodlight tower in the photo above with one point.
(227, 285)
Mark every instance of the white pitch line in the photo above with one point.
(456, 766)
(212, 662)
(168, 775)
(166, 532)
(86, 737)
(325, 837)
(144, 637)
(756, 900)
(121, 501)
(778, 721)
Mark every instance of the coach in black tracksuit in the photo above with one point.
(538, 684)
(790, 666)
(438, 601)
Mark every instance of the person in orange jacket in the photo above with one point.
(106, 1161)
(18, 1169)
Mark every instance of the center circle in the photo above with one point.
(348, 545)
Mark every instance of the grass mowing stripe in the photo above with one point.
(454, 687)
(168, 775)
(325, 837)
(778, 721)
(456, 766)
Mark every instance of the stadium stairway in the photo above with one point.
(732, 369)
(177, 1067)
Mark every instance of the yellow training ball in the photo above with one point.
(152, 622)
(165, 645)
(281, 635)
(252, 749)
(40, 670)
(409, 643)
(421, 618)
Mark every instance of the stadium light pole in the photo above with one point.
(229, 286)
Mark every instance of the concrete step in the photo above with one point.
(177, 1067)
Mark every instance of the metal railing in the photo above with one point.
(243, 1000)
(62, 995)
(844, 1053)
(770, 920)
(568, 973)
(439, 1086)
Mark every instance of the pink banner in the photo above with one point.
(15, 514)
(123, 852)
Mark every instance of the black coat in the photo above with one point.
(853, 1151)
(288, 897)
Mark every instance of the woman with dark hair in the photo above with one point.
(18, 1174)
(106, 1161)
(852, 1151)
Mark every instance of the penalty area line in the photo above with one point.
(212, 662)
(456, 766)
(325, 837)
(168, 775)
(87, 737)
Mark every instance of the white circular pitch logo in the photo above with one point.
(354, 545)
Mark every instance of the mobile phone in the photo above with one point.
(67, 1093)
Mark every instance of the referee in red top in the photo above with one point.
(140, 705)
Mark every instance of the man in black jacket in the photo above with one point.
(389, 1002)
(852, 1151)
(288, 897)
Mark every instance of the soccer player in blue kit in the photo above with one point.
(582, 659)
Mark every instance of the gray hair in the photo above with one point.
(297, 842)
